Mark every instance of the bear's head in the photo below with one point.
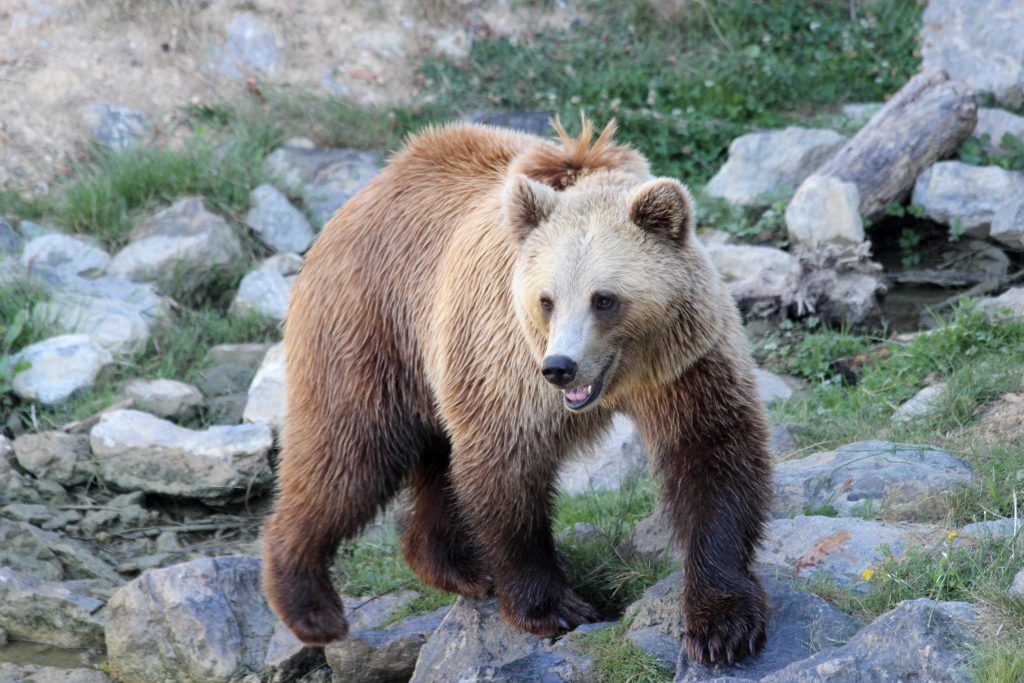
(611, 286)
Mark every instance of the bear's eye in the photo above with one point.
(603, 302)
(546, 304)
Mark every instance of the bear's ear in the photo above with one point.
(664, 207)
(527, 204)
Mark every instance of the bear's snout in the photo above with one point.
(559, 370)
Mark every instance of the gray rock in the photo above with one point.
(15, 488)
(250, 355)
(252, 47)
(977, 43)
(382, 655)
(474, 643)
(225, 385)
(920, 405)
(113, 325)
(799, 625)
(49, 556)
(279, 224)
(58, 367)
(31, 673)
(183, 241)
(48, 612)
(840, 547)
(266, 393)
(869, 477)
(286, 264)
(31, 230)
(652, 538)
(263, 291)
(771, 388)
(112, 126)
(780, 440)
(1009, 304)
(616, 458)
(165, 398)
(326, 179)
(204, 620)
(11, 241)
(137, 451)
(1016, 589)
(139, 296)
(25, 553)
(1008, 224)
(919, 640)
(993, 528)
(953, 191)
(63, 458)
(229, 377)
(33, 513)
(771, 162)
(995, 123)
(535, 122)
(125, 510)
(287, 659)
(757, 277)
(824, 210)
(63, 256)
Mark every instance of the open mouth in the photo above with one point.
(579, 398)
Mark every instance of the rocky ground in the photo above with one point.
(141, 372)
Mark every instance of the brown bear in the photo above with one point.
(475, 314)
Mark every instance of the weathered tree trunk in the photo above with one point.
(925, 121)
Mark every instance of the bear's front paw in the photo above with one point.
(559, 611)
(725, 628)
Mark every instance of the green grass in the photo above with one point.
(175, 350)
(597, 569)
(617, 660)
(108, 193)
(1009, 153)
(999, 661)
(976, 357)
(976, 571)
(683, 87)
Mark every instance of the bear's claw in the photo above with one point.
(727, 630)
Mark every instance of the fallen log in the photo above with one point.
(925, 121)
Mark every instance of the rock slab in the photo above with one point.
(799, 625)
(138, 451)
(868, 477)
(48, 612)
(58, 367)
(204, 620)
(765, 163)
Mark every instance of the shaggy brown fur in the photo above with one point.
(413, 347)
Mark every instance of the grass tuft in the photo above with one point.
(618, 660)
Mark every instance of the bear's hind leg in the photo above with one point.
(437, 544)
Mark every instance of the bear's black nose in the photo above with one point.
(559, 370)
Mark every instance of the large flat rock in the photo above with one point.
(869, 478)
(141, 452)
